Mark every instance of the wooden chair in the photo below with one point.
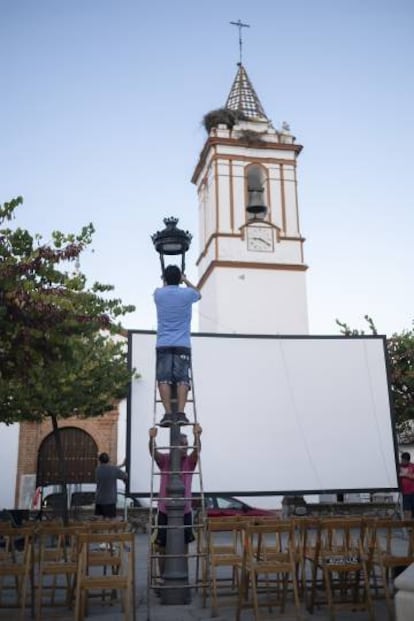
(224, 550)
(102, 556)
(275, 542)
(55, 556)
(393, 551)
(15, 565)
(346, 565)
(120, 551)
(268, 568)
(107, 526)
(307, 530)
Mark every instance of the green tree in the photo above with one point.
(400, 349)
(61, 350)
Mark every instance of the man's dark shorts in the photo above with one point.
(173, 365)
(161, 531)
(107, 511)
(408, 503)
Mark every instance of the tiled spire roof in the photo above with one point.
(242, 96)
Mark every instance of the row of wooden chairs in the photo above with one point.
(370, 550)
(80, 560)
(341, 563)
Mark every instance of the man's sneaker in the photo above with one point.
(166, 420)
(182, 419)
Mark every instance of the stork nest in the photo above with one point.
(223, 116)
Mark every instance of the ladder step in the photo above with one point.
(157, 400)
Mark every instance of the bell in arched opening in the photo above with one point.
(256, 206)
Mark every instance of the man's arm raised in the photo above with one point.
(187, 283)
(197, 431)
(152, 446)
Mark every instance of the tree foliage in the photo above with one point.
(401, 358)
(59, 350)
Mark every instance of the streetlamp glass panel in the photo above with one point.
(171, 248)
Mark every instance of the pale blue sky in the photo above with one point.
(101, 108)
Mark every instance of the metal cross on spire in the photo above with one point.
(240, 25)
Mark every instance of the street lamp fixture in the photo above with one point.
(171, 241)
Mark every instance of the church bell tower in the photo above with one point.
(251, 262)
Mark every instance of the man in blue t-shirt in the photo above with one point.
(174, 308)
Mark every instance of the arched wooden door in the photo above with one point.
(80, 451)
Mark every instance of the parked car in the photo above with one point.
(53, 502)
(129, 501)
(86, 500)
(82, 500)
(225, 506)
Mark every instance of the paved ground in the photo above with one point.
(153, 610)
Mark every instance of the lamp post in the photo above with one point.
(173, 241)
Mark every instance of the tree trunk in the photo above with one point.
(62, 469)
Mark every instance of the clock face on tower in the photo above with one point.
(259, 238)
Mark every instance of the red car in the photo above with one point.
(225, 506)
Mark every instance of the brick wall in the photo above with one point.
(103, 429)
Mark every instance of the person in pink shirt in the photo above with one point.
(407, 485)
(187, 467)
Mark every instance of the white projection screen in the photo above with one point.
(280, 415)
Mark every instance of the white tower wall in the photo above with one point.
(233, 302)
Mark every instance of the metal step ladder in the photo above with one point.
(183, 566)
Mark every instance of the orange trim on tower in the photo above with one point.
(269, 197)
(216, 182)
(268, 160)
(282, 197)
(231, 190)
(292, 238)
(296, 200)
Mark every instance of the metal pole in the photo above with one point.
(176, 560)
